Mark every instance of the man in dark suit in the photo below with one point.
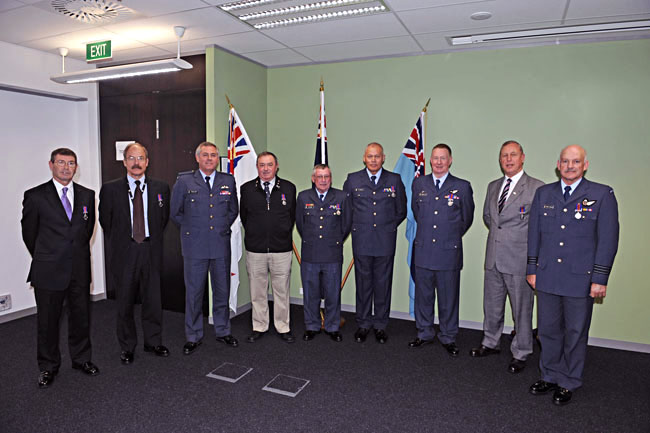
(378, 203)
(204, 206)
(572, 242)
(323, 220)
(57, 224)
(133, 212)
(443, 207)
(268, 212)
(506, 212)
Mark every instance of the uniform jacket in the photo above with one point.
(204, 216)
(377, 210)
(506, 247)
(572, 244)
(60, 248)
(323, 225)
(443, 217)
(115, 219)
(268, 229)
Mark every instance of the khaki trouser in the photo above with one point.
(258, 266)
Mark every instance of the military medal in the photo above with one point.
(284, 200)
(160, 200)
(85, 211)
(578, 215)
(522, 211)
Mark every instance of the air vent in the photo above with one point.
(91, 11)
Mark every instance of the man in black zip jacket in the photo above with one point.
(268, 212)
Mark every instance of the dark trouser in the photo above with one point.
(447, 284)
(374, 279)
(321, 280)
(563, 329)
(196, 271)
(138, 276)
(49, 306)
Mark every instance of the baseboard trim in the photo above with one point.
(17, 315)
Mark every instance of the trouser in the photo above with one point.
(259, 266)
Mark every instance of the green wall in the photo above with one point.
(595, 95)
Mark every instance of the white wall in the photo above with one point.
(30, 128)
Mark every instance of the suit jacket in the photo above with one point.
(268, 228)
(443, 217)
(572, 244)
(323, 225)
(60, 248)
(377, 211)
(507, 244)
(115, 219)
(204, 216)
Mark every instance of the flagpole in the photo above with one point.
(424, 134)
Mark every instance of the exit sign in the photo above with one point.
(98, 51)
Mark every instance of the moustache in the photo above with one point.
(136, 166)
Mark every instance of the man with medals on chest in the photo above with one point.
(323, 221)
(377, 201)
(572, 241)
(443, 207)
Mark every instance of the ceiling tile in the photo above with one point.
(141, 54)
(277, 57)
(361, 49)
(504, 12)
(606, 8)
(5, 5)
(339, 30)
(237, 43)
(405, 5)
(199, 23)
(152, 8)
(29, 23)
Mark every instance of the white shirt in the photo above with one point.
(271, 183)
(513, 183)
(59, 190)
(145, 202)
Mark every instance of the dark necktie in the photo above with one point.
(138, 214)
(373, 179)
(504, 195)
(322, 197)
(567, 192)
(207, 180)
(268, 194)
(66, 203)
(437, 184)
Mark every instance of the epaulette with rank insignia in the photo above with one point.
(184, 173)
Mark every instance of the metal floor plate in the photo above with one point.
(286, 385)
(229, 372)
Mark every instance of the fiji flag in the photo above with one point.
(321, 140)
(409, 166)
(242, 165)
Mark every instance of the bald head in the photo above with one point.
(572, 163)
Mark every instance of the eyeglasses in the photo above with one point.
(61, 163)
(134, 158)
(323, 177)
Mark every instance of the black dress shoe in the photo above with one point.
(516, 366)
(45, 379)
(542, 387)
(126, 357)
(336, 336)
(418, 342)
(190, 347)
(381, 336)
(561, 396)
(480, 352)
(452, 349)
(87, 367)
(361, 334)
(287, 337)
(310, 335)
(157, 350)
(228, 340)
(256, 335)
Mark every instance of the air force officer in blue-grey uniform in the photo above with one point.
(378, 203)
(323, 220)
(204, 206)
(572, 241)
(443, 207)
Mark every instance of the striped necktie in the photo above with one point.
(504, 195)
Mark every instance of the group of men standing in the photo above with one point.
(568, 231)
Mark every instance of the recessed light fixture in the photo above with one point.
(480, 16)
(319, 17)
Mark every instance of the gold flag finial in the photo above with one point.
(228, 100)
(427, 104)
(322, 85)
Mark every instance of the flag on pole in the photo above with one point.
(242, 165)
(321, 140)
(409, 166)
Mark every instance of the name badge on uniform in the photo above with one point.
(549, 206)
(284, 200)
(160, 200)
(191, 191)
(85, 212)
(423, 194)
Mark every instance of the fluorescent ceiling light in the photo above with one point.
(590, 29)
(300, 8)
(132, 70)
(320, 17)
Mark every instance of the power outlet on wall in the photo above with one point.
(5, 302)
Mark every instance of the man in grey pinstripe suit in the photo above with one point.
(505, 213)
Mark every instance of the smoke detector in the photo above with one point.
(91, 11)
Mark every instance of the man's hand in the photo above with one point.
(598, 291)
(532, 279)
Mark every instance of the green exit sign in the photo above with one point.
(98, 51)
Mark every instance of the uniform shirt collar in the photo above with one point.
(378, 174)
(442, 179)
(573, 186)
(318, 193)
(271, 182)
